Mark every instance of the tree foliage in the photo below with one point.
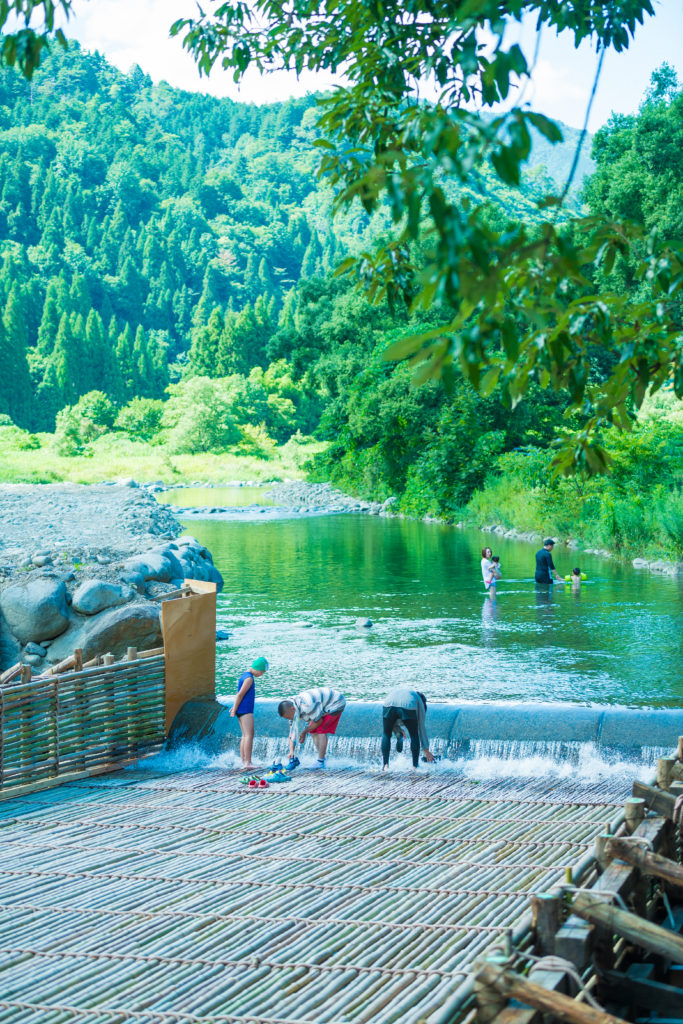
(517, 303)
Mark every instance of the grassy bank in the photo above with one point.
(118, 455)
(637, 510)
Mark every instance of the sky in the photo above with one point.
(131, 32)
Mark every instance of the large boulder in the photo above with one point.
(151, 566)
(10, 648)
(36, 608)
(95, 596)
(135, 625)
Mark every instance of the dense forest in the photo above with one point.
(168, 273)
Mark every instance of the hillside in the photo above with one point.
(132, 212)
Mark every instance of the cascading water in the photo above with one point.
(478, 741)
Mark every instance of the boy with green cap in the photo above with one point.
(243, 708)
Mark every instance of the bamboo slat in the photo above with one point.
(346, 899)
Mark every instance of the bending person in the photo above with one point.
(404, 707)
(313, 713)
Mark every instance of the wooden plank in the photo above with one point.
(189, 629)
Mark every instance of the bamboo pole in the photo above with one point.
(513, 986)
(631, 927)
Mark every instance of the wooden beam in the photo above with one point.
(655, 799)
(641, 993)
(574, 940)
(513, 986)
(631, 927)
(647, 862)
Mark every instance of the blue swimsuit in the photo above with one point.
(246, 706)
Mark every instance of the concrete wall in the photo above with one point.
(455, 725)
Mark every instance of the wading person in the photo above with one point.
(405, 708)
(243, 708)
(545, 567)
(313, 713)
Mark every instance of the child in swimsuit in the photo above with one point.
(243, 708)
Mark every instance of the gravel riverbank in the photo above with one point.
(80, 566)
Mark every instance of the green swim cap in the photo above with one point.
(260, 664)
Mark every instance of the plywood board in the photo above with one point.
(189, 629)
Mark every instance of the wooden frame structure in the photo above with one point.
(80, 719)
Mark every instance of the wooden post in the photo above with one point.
(655, 800)
(601, 850)
(545, 910)
(631, 927)
(665, 766)
(634, 812)
(561, 1007)
(680, 748)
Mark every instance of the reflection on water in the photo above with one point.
(294, 588)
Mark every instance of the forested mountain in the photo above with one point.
(146, 232)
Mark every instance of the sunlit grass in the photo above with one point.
(116, 455)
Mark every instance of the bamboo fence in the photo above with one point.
(80, 719)
(342, 897)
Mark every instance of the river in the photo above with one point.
(294, 588)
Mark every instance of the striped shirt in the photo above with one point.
(311, 705)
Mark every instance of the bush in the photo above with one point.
(79, 424)
(199, 416)
(141, 418)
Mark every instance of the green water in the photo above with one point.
(294, 588)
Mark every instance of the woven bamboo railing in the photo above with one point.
(80, 718)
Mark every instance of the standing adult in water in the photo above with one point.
(545, 567)
(404, 707)
(313, 713)
(487, 567)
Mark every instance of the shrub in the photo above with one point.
(141, 417)
(199, 416)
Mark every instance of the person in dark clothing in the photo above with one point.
(405, 708)
(545, 567)
(243, 708)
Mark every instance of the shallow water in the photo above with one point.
(231, 497)
(294, 588)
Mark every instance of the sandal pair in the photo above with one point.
(258, 784)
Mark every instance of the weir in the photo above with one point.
(456, 731)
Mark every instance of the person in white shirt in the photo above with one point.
(313, 713)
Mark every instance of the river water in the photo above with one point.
(294, 588)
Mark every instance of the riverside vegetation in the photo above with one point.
(170, 310)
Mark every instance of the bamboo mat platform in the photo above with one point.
(343, 897)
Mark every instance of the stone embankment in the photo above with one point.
(80, 565)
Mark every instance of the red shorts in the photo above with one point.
(327, 725)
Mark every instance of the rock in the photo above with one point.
(32, 659)
(126, 481)
(94, 596)
(151, 566)
(32, 648)
(41, 560)
(36, 608)
(639, 563)
(136, 625)
(134, 579)
(10, 648)
(103, 559)
(364, 623)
